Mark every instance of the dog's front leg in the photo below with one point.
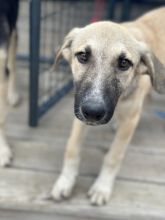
(66, 181)
(5, 152)
(101, 190)
(13, 97)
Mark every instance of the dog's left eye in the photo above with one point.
(82, 57)
(124, 64)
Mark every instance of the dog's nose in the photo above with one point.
(93, 111)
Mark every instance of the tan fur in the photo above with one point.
(74, 140)
(5, 153)
(142, 40)
(13, 97)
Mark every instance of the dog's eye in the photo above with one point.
(124, 64)
(82, 57)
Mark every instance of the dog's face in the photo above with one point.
(104, 59)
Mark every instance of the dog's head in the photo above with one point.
(104, 59)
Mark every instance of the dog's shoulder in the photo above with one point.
(154, 16)
(150, 29)
(151, 23)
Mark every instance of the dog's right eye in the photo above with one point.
(123, 63)
(82, 57)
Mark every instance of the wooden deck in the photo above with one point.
(140, 187)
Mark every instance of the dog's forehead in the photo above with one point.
(102, 35)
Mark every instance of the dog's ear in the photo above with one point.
(150, 64)
(65, 50)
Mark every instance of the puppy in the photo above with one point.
(8, 94)
(113, 66)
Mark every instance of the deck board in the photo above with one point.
(26, 190)
(43, 157)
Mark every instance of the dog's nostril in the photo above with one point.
(93, 111)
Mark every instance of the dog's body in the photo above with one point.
(114, 66)
(8, 38)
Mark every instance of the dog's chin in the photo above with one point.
(93, 123)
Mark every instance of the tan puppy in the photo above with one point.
(113, 67)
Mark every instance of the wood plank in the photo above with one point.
(151, 140)
(24, 190)
(44, 157)
(149, 137)
(136, 166)
(26, 215)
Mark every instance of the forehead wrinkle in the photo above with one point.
(119, 49)
(82, 48)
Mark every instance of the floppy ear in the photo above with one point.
(65, 50)
(151, 65)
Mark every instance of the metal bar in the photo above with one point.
(126, 10)
(55, 98)
(42, 59)
(23, 57)
(111, 5)
(35, 11)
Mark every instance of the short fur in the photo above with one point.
(8, 41)
(101, 81)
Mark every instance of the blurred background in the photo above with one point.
(39, 127)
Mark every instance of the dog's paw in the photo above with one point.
(100, 193)
(63, 188)
(14, 99)
(5, 156)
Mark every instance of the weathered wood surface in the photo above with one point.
(139, 192)
(27, 190)
(25, 215)
(42, 157)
